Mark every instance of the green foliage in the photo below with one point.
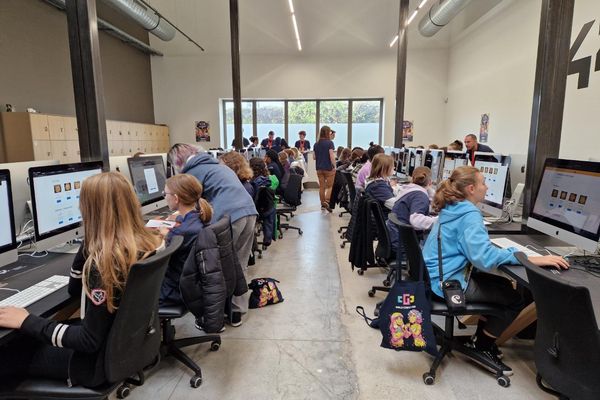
(302, 112)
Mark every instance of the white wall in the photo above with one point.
(189, 88)
(492, 69)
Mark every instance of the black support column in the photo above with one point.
(401, 72)
(549, 91)
(87, 80)
(235, 73)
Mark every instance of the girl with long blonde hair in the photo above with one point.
(114, 239)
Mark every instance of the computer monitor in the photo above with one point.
(8, 240)
(119, 163)
(148, 176)
(567, 203)
(21, 193)
(55, 201)
(452, 160)
(494, 168)
(434, 160)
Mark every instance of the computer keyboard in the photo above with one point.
(505, 243)
(36, 292)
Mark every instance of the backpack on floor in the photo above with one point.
(264, 292)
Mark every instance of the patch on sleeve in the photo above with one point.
(98, 296)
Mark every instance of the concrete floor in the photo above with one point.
(315, 346)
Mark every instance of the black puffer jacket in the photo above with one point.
(211, 274)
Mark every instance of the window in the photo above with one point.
(366, 118)
(246, 122)
(356, 122)
(269, 117)
(302, 116)
(335, 115)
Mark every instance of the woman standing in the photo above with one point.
(114, 239)
(324, 156)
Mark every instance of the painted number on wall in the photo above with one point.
(582, 66)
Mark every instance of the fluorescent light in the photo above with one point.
(291, 6)
(418, 8)
(413, 15)
(394, 41)
(295, 26)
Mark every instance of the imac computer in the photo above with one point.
(21, 193)
(434, 160)
(120, 164)
(148, 176)
(55, 201)
(452, 160)
(8, 237)
(567, 203)
(494, 168)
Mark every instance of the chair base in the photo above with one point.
(286, 227)
(172, 347)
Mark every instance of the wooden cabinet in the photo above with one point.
(32, 136)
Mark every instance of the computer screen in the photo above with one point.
(148, 176)
(494, 168)
(434, 160)
(452, 160)
(55, 197)
(7, 227)
(567, 202)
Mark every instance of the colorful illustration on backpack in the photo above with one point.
(401, 331)
(268, 292)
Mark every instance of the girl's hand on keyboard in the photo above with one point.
(12, 317)
(550, 261)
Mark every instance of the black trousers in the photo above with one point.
(28, 357)
(494, 289)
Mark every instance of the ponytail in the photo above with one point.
(453, 189)
(206, 211)
(421, 176)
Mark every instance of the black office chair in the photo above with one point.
(351, 196)
(444, 337)
(171, 346)
(133, 341)
(383, 252)
(291, 199)
(567, 342)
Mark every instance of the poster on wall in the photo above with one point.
(407, 131)
(202, 131)
(483, 128)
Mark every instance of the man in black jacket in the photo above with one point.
(473, 146)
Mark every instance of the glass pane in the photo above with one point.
(365, 123)
(269, 117)
(335, 115)
(302, 116)
(246, 122)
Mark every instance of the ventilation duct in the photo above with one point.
(145, 17)
(439, 15)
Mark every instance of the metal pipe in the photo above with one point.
(439, 15)
(150, 20)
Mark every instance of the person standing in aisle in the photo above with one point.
(324, 155)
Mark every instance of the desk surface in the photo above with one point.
(574, 276)
(40, 269)
(504, 228)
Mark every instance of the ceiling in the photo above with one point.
(325, 26)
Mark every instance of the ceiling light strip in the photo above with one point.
(291, 4)
(410, 19)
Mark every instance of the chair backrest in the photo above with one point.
(384, 245)
(264, 200)
(293, 190)
(227, 255)
(567, 343)
(134, 338)
(414, 256)
(351, 188)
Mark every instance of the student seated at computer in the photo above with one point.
(365, 170)
(264, 201)
(114, 239)
(239, 165)
(273, 164)
(183, 194)
(465, 243)
(411, 205)
(378, 184)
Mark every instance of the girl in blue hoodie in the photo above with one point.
(465, 243)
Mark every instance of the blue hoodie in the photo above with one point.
(222, 188)
(464, 239)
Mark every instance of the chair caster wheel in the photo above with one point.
(503, 381)
(371, 293)
(260, 256)
(342, 245)
(341, 215)
(361, 272)
(214, 346)
(123, 391)
(300, 233)
(428, 378)
(387, 283)
(340, 229)
(196, 381)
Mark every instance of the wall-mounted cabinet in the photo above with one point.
(29, 136)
